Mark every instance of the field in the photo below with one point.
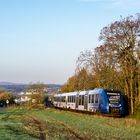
(51, 124)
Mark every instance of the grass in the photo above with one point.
(11, 127)
(137, 114)
(54, 124)
(93, 127)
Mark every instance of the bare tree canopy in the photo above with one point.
(116, 63)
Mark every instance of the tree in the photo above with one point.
(138, 55)
(81, 80)
(121, 38)
(71, 84)
(4, 97)
(100, 65)
(36, 91)
(116, 63)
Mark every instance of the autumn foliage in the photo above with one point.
(4, 97)
(114, 64)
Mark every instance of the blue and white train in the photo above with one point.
(97, 100)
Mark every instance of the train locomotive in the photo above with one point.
(104, 101)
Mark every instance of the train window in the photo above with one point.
(80, 100)
(58, 99)
(89, 97)
(63, 98)
(114, 98)
(96, 98)
(82, 103)
(92, 100)
(74, 99)
(70, 99)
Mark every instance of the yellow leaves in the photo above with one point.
(5, 96)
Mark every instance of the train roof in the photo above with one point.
(100, 90)
(66, 94)
(94, 91)
(82, 92)
(72, 93)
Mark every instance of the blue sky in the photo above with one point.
(40, 40)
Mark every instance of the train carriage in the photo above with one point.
(60, 100)
(93, 100)
(81, 100)
(97, 100)
(71, 99)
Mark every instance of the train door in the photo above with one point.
(77, 101)
(86, 101)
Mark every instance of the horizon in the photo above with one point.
(40, 41)
(16, 83)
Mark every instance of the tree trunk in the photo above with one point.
(132, 94)
(139, 88)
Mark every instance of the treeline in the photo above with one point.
(114, 64)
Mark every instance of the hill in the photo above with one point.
(19, 87)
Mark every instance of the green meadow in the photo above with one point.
(52, 124)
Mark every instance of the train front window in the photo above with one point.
(114, 98)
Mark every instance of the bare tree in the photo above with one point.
(122, 38)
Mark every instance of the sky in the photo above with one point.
(40, 40)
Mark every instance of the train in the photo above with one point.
(104, 101)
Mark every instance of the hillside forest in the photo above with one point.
(114, 64)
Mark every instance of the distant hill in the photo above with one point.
(8, 83)
(14, 88)
(17, 87)
(54, 85)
